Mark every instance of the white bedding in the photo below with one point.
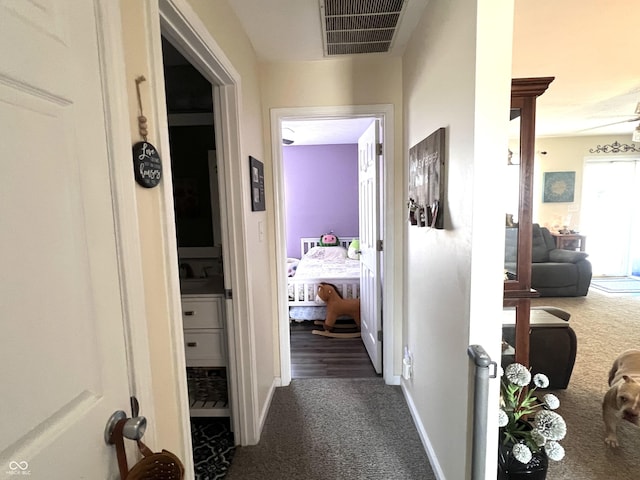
(327, 262)
(318, 264)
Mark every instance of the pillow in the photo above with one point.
(354, 250)
(327, 253)
(292, 265)
(329, 240)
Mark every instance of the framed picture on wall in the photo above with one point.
(426, 181)
(559, 187)
(256, 172)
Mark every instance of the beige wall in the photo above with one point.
(338, 82)
(453, 279)
(225, 29)
(565, 154)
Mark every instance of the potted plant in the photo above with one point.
(529, 428)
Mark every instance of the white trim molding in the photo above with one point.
(422, 433)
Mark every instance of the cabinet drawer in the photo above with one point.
(202, 313)
(205, 348)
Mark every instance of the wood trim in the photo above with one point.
(518, 293)
(530, 87)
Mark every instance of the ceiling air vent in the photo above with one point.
(355, 26)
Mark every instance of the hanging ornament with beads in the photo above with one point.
(147, 166)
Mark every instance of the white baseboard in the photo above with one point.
(426, 443)
(267, 404)
(395, 380)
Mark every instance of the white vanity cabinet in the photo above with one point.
(206, 354)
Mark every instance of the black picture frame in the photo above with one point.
(256, 176)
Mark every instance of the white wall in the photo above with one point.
(456, 74)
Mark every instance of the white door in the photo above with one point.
(370, 291)
(62, 350)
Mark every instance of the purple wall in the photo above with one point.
(321, 192)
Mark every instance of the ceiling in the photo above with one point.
(587, 45)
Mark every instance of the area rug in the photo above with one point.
(617, 284)
(213, 447)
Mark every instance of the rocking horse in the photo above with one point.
(336, 307)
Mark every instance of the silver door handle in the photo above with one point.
(133, 429)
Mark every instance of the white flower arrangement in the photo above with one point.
(526, 422)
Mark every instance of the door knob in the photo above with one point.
(133, 429)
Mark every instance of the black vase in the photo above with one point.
(511, 469)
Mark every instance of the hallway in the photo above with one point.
(335, 428)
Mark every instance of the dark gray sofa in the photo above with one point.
(554, 272)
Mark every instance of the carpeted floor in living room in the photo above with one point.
(605, 324)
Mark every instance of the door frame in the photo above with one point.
(384, 113)
(176, 20)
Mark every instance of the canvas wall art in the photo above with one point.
(559, 187)
(426, 181)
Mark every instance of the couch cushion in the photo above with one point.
(539, 250)
(570, 256)
(551, 274)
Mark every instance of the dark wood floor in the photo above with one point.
(318, 356)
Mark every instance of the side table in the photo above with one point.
(570, 241)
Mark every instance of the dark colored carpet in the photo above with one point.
(616, 284)
(213, 447)
(335, 429)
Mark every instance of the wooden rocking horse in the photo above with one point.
(336, 307)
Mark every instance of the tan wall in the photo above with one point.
(339, 82)
(565, 154)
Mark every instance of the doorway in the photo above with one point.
(196, 202)
(383, 113)
(180, 25)
(321, 169)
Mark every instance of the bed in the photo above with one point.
(320, 264)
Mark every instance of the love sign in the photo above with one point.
(147, 166)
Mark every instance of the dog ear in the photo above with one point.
(628, 379)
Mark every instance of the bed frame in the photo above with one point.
(304, 291)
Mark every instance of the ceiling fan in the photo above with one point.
(628, 120)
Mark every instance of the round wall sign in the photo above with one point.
(146, 164)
